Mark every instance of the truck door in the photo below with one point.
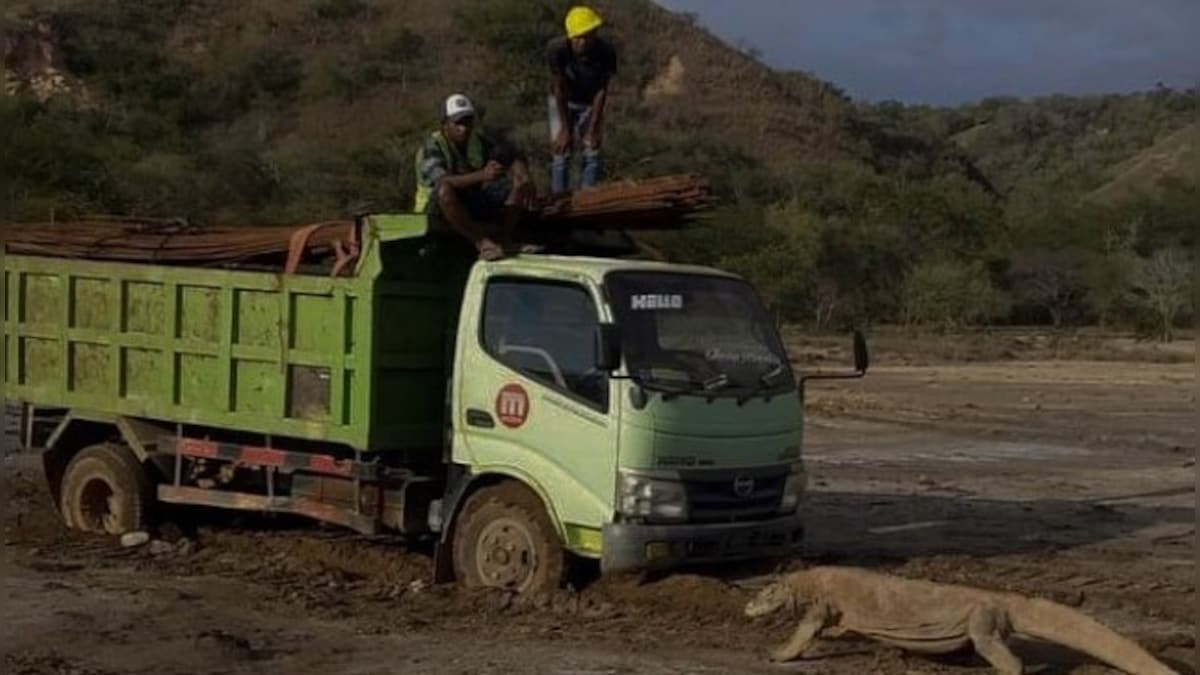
(531, 401)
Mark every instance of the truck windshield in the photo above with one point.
(690, 333)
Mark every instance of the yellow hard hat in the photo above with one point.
(582, 20)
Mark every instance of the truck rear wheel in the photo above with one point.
(504, 539)
(105, 490)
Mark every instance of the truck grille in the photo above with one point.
(734, 496)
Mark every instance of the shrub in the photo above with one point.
(948, 294)
(340, 10)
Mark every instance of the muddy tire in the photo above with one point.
(105, 490)
(504, 539)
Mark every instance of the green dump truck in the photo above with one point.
(522, 412)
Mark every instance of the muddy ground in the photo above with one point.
(1073, 480)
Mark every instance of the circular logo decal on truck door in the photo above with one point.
(512, 406)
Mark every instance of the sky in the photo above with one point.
(946, 52)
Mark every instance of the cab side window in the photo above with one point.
(546, 331)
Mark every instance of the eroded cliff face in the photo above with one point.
(31, 63)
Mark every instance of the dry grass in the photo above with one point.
(1177, 155)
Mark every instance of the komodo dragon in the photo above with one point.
(933, 618)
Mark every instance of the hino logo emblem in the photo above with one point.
(743, 486)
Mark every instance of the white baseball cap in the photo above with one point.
(458, 106)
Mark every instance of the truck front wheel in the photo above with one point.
(105, 490)
(504, 539)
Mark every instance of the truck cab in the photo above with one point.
(651, 409)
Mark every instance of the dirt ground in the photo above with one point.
(1073, 480)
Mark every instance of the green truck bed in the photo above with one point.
(356, 360)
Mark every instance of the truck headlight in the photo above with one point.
(793, 489)
(644, 497)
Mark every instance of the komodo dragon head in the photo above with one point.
(775, 596)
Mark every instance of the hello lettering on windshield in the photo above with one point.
(655, 301)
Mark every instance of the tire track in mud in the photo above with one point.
(344, 575)
(382, 585)
(47, 663)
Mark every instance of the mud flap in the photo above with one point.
(54, 464)
(443, 563)
(458, 479)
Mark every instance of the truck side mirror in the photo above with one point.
(608, 347)
(862, 359)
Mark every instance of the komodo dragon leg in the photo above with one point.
(988, 629)
(814, 619)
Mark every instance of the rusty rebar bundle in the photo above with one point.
(659, 203)
(157, 241)
(665, 202)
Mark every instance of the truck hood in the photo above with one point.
(690, 432)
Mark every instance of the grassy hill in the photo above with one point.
(1073, 143)
(273, 109)
(1175, 156)
(841, 213)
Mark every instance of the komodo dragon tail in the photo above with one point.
(1055, 623)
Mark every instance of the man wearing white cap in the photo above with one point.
(468, 181)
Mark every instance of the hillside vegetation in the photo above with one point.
(272, 111)
(1070, 142)
(322, 102)
(1176, 157)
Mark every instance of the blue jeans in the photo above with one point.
(579, 116)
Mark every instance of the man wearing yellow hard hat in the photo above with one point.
(581, 66)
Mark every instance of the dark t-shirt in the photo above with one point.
(585, 75)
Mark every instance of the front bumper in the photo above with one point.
(655, 547)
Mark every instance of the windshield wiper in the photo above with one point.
(766, 379)
(647, 381)
(766, 382)
(719, 381)
(712, 384)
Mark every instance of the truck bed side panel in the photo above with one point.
(252, 351)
